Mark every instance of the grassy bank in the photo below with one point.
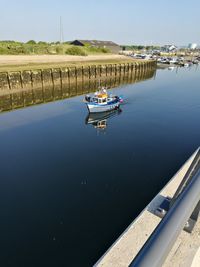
(44, 48)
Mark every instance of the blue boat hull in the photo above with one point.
(94, 108)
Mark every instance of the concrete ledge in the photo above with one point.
(196, 260)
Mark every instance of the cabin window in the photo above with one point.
(104, 100)
(99, 100)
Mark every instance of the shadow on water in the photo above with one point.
(46, 94)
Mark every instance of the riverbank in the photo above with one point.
(24, 62)
(32, 78)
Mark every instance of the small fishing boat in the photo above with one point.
(101, 101)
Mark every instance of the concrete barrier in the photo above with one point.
(58, 76)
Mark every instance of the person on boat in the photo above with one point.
(88, 98)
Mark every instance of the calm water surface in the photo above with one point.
(68, 189)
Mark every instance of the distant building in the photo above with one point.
(113, 47)
(169, 48)
(192, 46)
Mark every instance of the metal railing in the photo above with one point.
(185, 206)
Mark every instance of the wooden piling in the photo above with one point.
(31, 77)
(21, 79)
(42, 81)
(8, 80)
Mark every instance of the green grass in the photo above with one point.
(42, 48)
(75, 50)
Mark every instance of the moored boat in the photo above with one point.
(101, 101)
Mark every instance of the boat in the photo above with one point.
(195, 61)
(173, 60)
(101, 101)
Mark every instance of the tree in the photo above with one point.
(140, 47)
(42, 43)
(31, 42)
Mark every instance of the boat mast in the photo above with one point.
(61, 31)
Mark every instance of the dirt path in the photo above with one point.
(31, 59)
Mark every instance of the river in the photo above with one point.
(70, 186)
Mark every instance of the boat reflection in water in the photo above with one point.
(99, 120)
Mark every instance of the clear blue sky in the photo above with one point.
(124, 21)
